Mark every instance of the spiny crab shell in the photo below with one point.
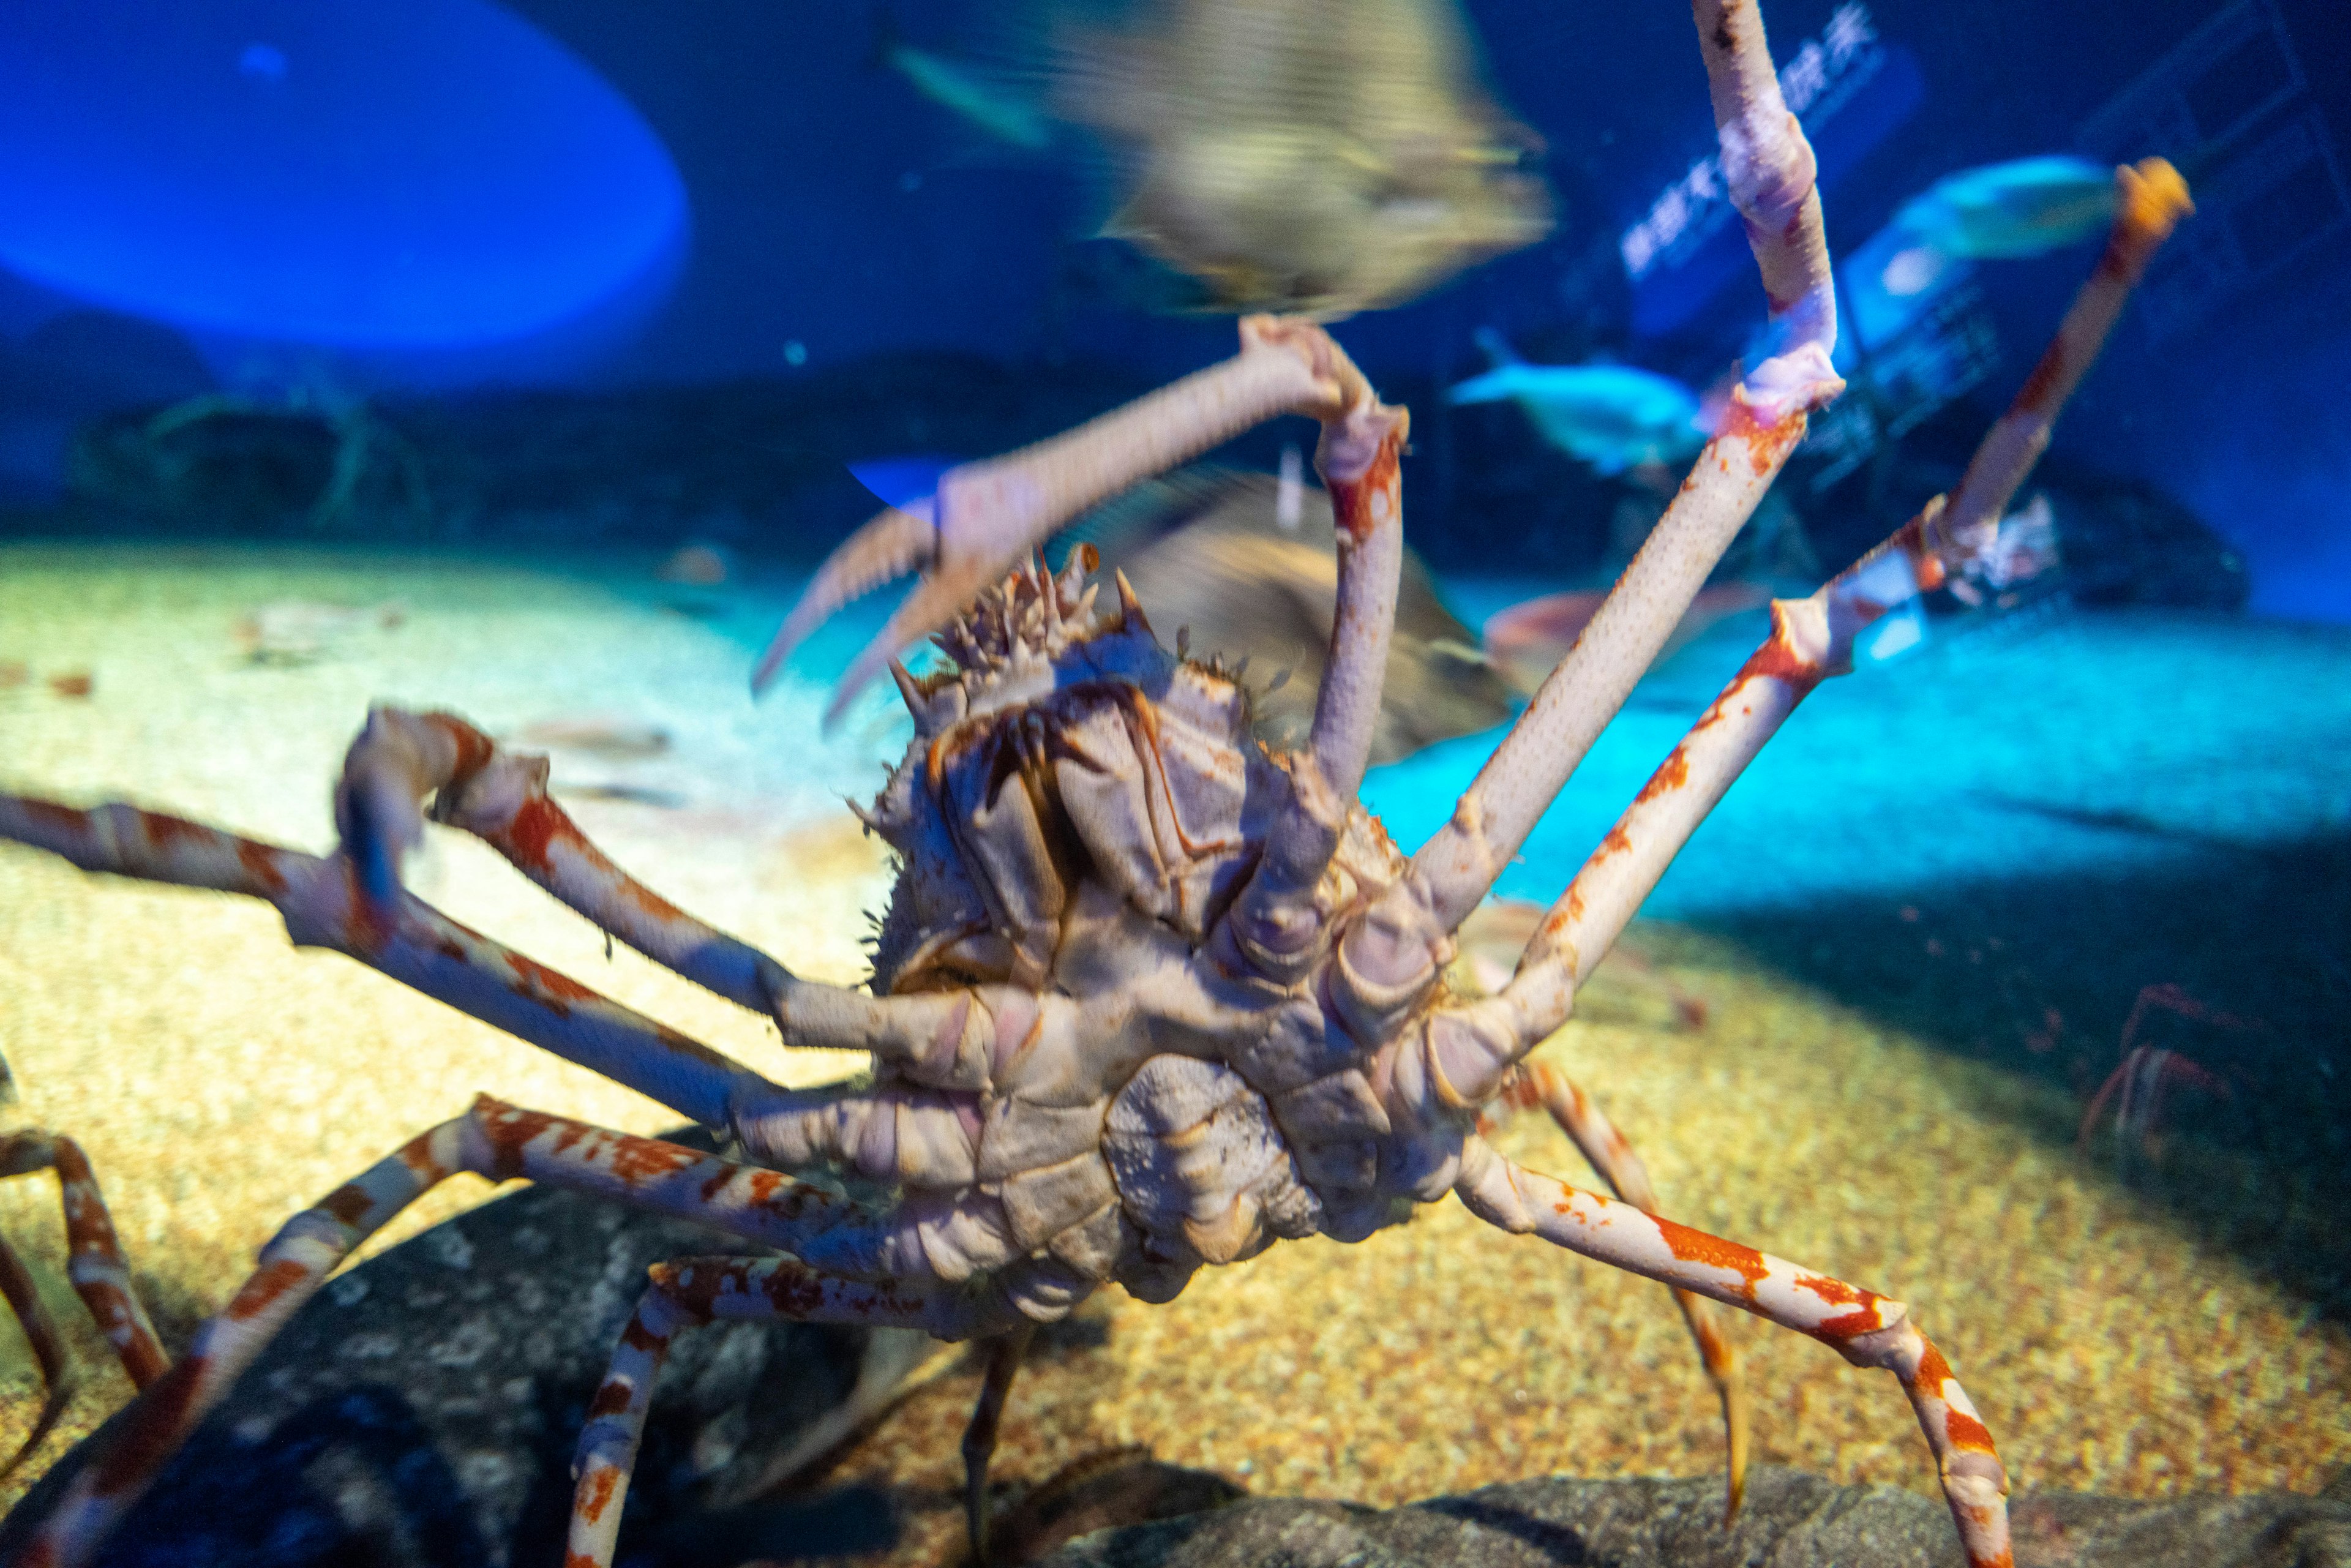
(1074, 816)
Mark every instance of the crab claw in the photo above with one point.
(891, 545)
(986, 516)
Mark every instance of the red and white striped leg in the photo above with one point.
(292, 1266)
(492, 1140)
(500, 797)
(23, 1294)
(408, 939)
(1866, 1328)
(696, 1291)
(1538, 1083)
(96, 1266)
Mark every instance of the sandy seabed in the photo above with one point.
(221, 1082)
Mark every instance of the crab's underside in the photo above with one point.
(1147, 997)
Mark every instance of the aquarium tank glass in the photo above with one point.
(1120, 781)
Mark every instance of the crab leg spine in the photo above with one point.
(1866, 1329)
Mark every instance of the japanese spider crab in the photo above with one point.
(1147, 998)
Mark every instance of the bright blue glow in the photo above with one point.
(1901, 630)
(425, 175)
(900, 481)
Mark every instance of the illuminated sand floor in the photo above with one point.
(221, 1081)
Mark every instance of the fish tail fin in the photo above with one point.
(1496, 347)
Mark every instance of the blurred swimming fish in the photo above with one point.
(989, 99)
(1611, 417)
(303, 631)
(1317, 157)
(597, 734)
(1526, 640)
(2026, 207)
(1212, 560)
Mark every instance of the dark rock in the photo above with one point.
(1790, 1521)
(1102, 1492)
(754, 465)
(2125, 542)
(421, 1410)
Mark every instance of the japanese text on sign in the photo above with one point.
(1816, 82)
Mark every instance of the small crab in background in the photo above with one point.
(2136, 1089)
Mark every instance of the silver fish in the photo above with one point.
(2025, 207)
(1613, 417)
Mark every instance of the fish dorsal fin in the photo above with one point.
(1157, 507)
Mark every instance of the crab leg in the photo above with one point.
(2151, 199)
(409, 940)
(1004, 1358)
(97, 1268)
(1540, 1083)
(1274, 920)
(987, 515)
(692, 1291)
(1768, 166)
(492, 1140)
(1811, 639)
(501, 797)
(23, 1294)
(1864, 1327)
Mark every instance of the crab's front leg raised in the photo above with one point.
(1812, 638)
(1768, 167)
(1864, 1327)
(989, 515)
(1275, 920)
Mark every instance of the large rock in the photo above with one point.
(1790, 1521)
(421, 1410)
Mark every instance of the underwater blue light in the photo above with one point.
(900, 481)
(428, 175)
